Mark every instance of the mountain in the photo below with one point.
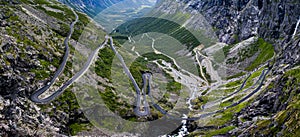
(236, 22)
(231, 66)
(248, 37)
(112, 13)
(90, 7)
(32, 48)
(119, 13)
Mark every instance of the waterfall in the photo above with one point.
(296, 28)
(183, 131)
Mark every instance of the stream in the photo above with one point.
(296, 28)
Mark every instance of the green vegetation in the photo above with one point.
(66, 16)
(294, 73)
(18, 32)
(226, 117)
(231, 60)
(103, 65)
(151, 56)
(261, 48)
(140, 64)
(234, 83)
(40, 2)
(136, 67)
(243, 54)
(206, 75)
(219, 56)
(199, 101)
(112, 101)
(247, 52)
(236, 38)
(79, 27)
(78, 127)
(68, 104)
(288, 117)
(236, 75)
(178, 17)
(226, 49)
(68, 100)
(149, 24)
(231, 101)
(47, 52)
(44, 71)
(115, 103)
(204, 92)
(41, 74)
(249, 82)
(226, 103)
(218, 131)
(266, 53)
(254, 75)
(174, 86)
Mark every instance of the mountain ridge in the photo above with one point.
(247, 32)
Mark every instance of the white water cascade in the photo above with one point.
(296, 28)
(183, 131)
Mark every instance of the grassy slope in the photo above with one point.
(112, 101)
(284, 122)
(266, 53)
(148, 24)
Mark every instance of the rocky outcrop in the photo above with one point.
(232, 20)
(21, 48)
(31, 47)
(21, 117)
(28, 45)
(271, 112)
(236, 20)
(275, 22)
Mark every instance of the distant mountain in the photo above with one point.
(90, 7)
(119, 13)
(112, 13)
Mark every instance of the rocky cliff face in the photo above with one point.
(275, 111)
(31, 48)
(236, 20)
(277, 24)
(275, 21)
(233, 20)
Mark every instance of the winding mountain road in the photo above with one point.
(137, 109)
(157, 107)
(35, 96)
(146, 77)
(253, 92)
